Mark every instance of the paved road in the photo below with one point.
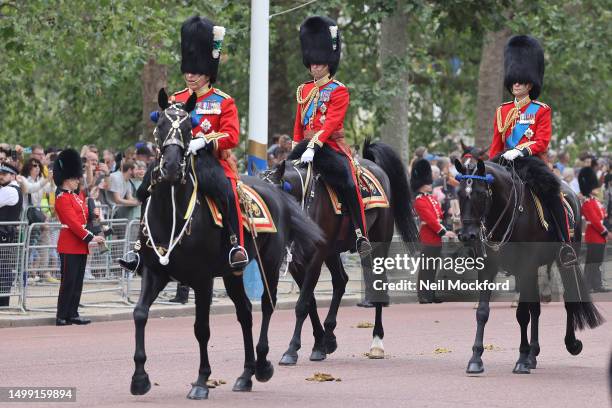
(97, 359)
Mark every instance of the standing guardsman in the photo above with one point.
(72, 244)
(215, 122)
(321, 107)
(522, 130)
(431, 230)
(596, 233)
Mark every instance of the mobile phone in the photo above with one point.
(27, 150)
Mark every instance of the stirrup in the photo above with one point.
(238, 257)
(130, 261)
(567, 255)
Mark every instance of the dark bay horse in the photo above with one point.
(500, 218)
(180, 241)
(386, 165)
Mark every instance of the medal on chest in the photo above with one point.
(205, 125)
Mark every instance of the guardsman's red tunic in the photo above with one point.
(321, 108)
(217, 118)
(594, 213)
(536, 137)
(72, 212)
(430, 213)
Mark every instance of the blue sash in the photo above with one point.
(520, 128)
(324, 96)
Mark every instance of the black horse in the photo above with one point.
(177, 222)
(500, 218)
(385, 164)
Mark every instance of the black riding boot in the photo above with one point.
(131, 259)
(182, 294)
(362, 244)
(238, 257)
(567, 255)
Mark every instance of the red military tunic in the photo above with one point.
(326, 123)
(72, 212)
(594, 213)
(536, 138)
(321, 108)
(217, 118)
(430, 213)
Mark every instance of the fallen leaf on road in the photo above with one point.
(436, 321)
(156, 383)
(212, 383)
(321, 377)
(491, 347)
(442, 350)
(364, 325)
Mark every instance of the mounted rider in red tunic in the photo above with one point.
(522, 131)
(321, 107)
(215, 124)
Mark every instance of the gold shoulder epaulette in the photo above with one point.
(181, 91)
(541, 104)
(505, 103)
(221, 93)
(298, 93)
(339, 83)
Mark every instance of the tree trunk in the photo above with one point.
(281, 92)
(394, 43)
(154, 77)
(490, 85)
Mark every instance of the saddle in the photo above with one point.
(372, 192)
(255, 212)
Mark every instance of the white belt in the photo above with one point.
(66, 226)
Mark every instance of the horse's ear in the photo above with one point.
(480, 167)
(162, 99)
(459, 166)
(280, 169)
(463, 146)
(191, 103)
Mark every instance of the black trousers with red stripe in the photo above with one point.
(73, 271)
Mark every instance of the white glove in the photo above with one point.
(196, 144)
(512, 154)
(308, 155)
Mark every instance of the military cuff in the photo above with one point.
(87, 238)
(442, 232)
(605, 233)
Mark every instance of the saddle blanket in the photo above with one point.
(372, 192)
(251, 204)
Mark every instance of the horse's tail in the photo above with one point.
(578, 300)
(401, 198)
(303, 232)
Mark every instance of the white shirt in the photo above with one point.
(9, 195)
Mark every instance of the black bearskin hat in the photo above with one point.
(320, 40)
(201, 42)
(420, 175)
(587, 180)
(524, 64)
(67, 165)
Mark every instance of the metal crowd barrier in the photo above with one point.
(41, 267)
(12, 248)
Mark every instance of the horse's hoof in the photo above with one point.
(376, 353)
(532, 361)
(289, 358)
(140, 384)
(198, 392)
(574, 348)
(317, 355)
(475, 367)
(243, 385)
(330, 345)
(521, 368)
(264, 373)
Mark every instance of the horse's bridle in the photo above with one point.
(517, 194)
(176, 116)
